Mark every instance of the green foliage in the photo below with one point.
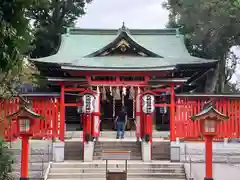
(15, 37)
(50, 17)
(5, 162)
(211, 28)
(14, 32)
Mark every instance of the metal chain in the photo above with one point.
(134, 103)
(114, 107)
(122, 98)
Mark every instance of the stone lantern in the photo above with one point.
(209, 118)
(26, 120)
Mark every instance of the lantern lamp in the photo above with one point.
(148, 103)
(25, 118)
(88, 103)
(209, 119)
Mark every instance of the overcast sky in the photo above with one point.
(135, 14)
(143, 14)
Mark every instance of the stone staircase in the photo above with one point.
(73, 150)
(161, 150)
(136, 170)
(101, 146)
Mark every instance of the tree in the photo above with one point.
(5, 161)
(50, 17)
(210, 27)
(15, 37)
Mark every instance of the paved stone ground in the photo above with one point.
(220, 171)
(225, 156)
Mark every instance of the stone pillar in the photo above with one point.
(88, 151)
(146, 151)
(88, 145)
(58, 151)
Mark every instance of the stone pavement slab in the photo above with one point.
(220, 171)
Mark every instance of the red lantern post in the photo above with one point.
(209, 117)
(148, 108)
(88, 108)
(26, 120)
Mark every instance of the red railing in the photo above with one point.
(187, 106)
(47, 107)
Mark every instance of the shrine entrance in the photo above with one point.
(112, 100)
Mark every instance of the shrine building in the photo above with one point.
(121, 63)
(119, 66)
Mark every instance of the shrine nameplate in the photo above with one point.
(116, 155)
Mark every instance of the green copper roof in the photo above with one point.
(78, 43)
(207, 110)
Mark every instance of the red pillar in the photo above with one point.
(24, 157)
(62, 113)
(142, 117)
(83, 118)
(208, 148)
(172, 115)
(88, 126)
(148, 125)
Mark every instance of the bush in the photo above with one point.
(5, 162)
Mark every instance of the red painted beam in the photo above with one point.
(117, 83)
(161, 90)
(114, 73)
(162, 105)
(74, 89)
(72, 104)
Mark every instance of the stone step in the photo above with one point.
(99, 153)
(73, 157)
(132, 157)
(78, 134)
(102, 175)
(160, 150)
(129, 178)
(133, 149)
(121, 164)
(130, 170)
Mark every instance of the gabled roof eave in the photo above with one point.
(123, 34)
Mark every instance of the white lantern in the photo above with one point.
(24, 125)
(88, 103)
(210, 126)
(148, 103)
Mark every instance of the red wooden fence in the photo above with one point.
(186, 106)
(185, 128)
(47, 107)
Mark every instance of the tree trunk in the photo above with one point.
(221, 74)
(211, 82)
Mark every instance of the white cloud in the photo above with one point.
(135, 13)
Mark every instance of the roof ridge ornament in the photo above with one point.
(123, 28)
(123, 25)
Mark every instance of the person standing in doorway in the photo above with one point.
(121, 121)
